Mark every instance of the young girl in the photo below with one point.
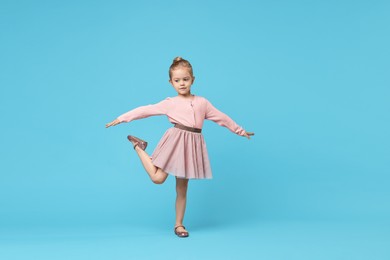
(182, 151)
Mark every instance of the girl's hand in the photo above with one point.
(113, 123)
(248, 134)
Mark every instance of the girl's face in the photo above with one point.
(181, 81)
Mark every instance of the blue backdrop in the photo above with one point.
(310, 78)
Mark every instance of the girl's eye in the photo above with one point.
(176, 80)
(186, 79)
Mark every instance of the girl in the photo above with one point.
(182, 151)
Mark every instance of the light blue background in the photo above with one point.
(310, 78)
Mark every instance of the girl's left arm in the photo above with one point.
(222, 119)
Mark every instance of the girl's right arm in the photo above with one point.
(160, 108)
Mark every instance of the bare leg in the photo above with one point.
(181, 199)
(157, 175)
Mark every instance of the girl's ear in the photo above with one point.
(193, 79)
(170, 81)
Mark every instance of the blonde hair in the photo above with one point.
(180, 62)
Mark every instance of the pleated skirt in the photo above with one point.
(183, 154)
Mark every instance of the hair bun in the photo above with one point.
(179, 62)
(177, 59)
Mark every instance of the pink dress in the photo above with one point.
(183, 153)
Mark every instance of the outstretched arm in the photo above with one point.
(222, 119)
(160, 108)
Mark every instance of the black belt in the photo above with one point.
(187, 128)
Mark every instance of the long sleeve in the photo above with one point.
(160, 108)
(222, 119)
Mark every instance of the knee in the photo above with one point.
(181, 190)
(158, 180)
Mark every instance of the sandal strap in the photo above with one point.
(180, 226)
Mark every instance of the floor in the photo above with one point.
(262, 240)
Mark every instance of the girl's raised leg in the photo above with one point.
(157, 175)
(181, 199)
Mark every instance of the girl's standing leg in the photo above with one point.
(181, 199)
(157, 175)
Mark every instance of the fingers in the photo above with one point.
(113, 123)
(249, 134)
